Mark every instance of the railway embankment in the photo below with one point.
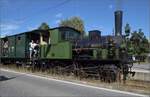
(139, 83)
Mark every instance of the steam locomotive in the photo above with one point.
(64, 49)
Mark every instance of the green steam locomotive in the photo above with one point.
(64, 49)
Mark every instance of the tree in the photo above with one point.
(127, 30)
(135, 38)
(74, 22)
(44, 26)
(139, 43)
(141, 34)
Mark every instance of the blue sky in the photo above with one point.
(18, 16)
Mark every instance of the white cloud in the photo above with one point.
(110, 6)
(58, 18)
(59, 15)
(32, 28)
(57, 21)
(8, 28)
(97, 27)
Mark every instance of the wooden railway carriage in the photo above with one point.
(54, 43)
(18, 46)
(63, 49)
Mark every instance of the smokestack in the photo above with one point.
(118, 22)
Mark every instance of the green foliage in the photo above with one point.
(139, 42)
(74, 22)
(127, 30)
(44, 26)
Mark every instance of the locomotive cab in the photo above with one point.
(34, 36)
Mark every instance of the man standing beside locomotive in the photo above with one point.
(36, 49)
(33, 49)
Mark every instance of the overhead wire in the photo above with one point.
(45, 10)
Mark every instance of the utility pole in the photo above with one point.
(0, 50)
(0, 41)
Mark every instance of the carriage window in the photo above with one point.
(5, 42)
(68, 34)
(19, 38)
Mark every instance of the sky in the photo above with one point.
(18, 16)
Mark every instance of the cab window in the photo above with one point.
(69, 34)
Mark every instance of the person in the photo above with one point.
(5, 48)
(49, 41)
(31, 48)
(133, 58)
(36, 49)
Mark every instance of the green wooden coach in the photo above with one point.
(53, 43)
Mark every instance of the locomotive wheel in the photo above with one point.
(109, 73)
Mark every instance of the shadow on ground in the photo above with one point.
(4, 78)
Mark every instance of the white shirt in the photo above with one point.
(133, 58)
(32, 45)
